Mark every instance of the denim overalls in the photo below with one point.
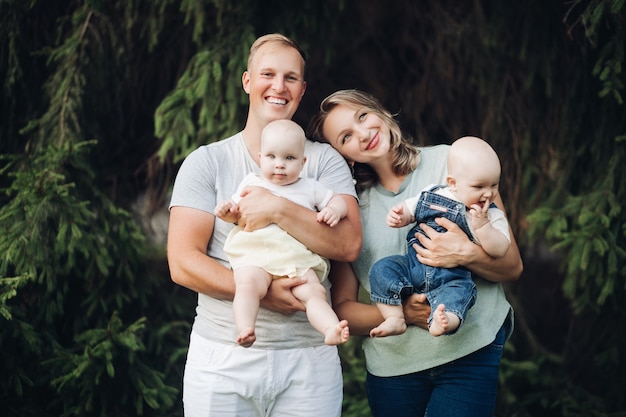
(394, 277)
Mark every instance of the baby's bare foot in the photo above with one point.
(443, 322)
(439, 324)
(246, 338)
(391, 326)
(338, 334)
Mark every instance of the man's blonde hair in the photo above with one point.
(274, 38)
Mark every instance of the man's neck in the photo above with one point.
(252, 139)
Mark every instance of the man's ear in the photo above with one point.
(303, 89)
(245, 82)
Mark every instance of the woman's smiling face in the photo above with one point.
(358, 134)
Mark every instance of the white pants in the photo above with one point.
(228, 380)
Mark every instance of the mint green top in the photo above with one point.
(417, 350)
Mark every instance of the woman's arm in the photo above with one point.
(364, 317)
(342, 242)
(453, 248)
(344, 294)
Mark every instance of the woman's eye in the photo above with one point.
(345, 138)
(362, 116)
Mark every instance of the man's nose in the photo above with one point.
(279, 84)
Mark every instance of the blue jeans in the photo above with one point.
(466, 387)
(395, 277)
(398, 276)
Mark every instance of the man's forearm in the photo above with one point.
(341, 242)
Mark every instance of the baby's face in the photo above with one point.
(281, 159)
(478, 187)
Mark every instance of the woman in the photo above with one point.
(414, 374)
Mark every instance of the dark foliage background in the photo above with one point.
(101, 100)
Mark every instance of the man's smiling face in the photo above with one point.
(275, 83)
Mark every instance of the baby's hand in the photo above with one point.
(227, 211)
(396, 216)
(222, 208)
(479, 215)
(328, 215)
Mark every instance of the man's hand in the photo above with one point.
(417, 310)
(280, 298)
(256, 208)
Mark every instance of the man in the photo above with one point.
(289, 370)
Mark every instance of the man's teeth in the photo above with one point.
(277, 101)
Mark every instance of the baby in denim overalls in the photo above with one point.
(467, 200)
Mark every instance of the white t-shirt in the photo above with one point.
(305, 191)
(211, 174)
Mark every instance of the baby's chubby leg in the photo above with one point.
(319, 312)
(251, 284)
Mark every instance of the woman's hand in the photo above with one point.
(445, 250)
(416, 310)
(453, 248)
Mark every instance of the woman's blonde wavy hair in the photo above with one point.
(405, 154)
